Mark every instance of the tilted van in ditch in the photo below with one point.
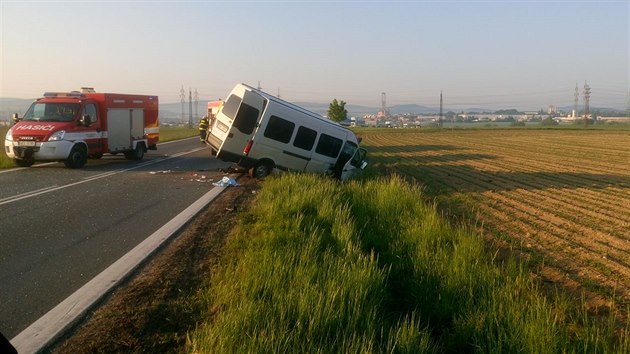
(261, 133)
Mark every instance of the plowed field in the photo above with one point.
(560, 198)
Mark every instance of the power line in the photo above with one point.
(182, 96)
(190, 123)
(575, 97)
(587, 97)
(440, 120)
(196, 98)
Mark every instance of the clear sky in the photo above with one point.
(497, 54)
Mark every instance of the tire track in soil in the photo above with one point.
(615, 222)
(539, 183)
(545, 219)
(561, 226)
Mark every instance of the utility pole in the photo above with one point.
(196, 98)
(575, 106)
(182, 96)
(587, 97)
(440, 120)
(190, 123)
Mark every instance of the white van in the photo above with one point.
(261, 132)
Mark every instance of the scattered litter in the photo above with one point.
(226, 182)
(232, 169)
(204, 180)
(164, 172)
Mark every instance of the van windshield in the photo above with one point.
(52, 112)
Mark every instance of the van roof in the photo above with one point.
(294, 106)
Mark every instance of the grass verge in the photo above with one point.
(175, 133)
(5, 162)
(318, 266)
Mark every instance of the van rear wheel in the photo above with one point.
(263, 169)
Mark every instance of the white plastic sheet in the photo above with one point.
(226, 182)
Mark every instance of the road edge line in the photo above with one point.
(55, 322)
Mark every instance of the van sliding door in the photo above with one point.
(327, 148)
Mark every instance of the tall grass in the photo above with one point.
(319, 266)
(5, 161)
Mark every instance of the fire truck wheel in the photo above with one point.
(77, 157)
(135, 154)
(24, 162)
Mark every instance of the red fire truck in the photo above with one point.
(74, 126)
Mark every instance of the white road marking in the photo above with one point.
(53, 324)
(24, 168)
(54, 188)
(25, 195)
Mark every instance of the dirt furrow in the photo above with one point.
(560, 196)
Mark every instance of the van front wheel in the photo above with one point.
(261, 170)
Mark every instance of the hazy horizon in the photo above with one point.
(512, 54)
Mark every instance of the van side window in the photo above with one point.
(305, 138)
(328, 145)
(90, 109)
(246, 118)
(279, 129)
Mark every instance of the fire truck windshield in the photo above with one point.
(52, 112)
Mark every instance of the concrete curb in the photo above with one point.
(54, 323)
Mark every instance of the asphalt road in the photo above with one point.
(60, 227)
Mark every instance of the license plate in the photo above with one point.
(26, 143)
(224, 128)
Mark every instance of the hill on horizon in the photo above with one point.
(172, 111)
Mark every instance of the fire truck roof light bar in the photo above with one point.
(64, 94)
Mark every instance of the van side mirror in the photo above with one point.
(85, 120)
(15, 118)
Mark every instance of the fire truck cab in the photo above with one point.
(74, 126)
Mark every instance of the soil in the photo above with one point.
(152, 311)
(556, 199)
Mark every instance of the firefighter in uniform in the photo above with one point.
(203, 128)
